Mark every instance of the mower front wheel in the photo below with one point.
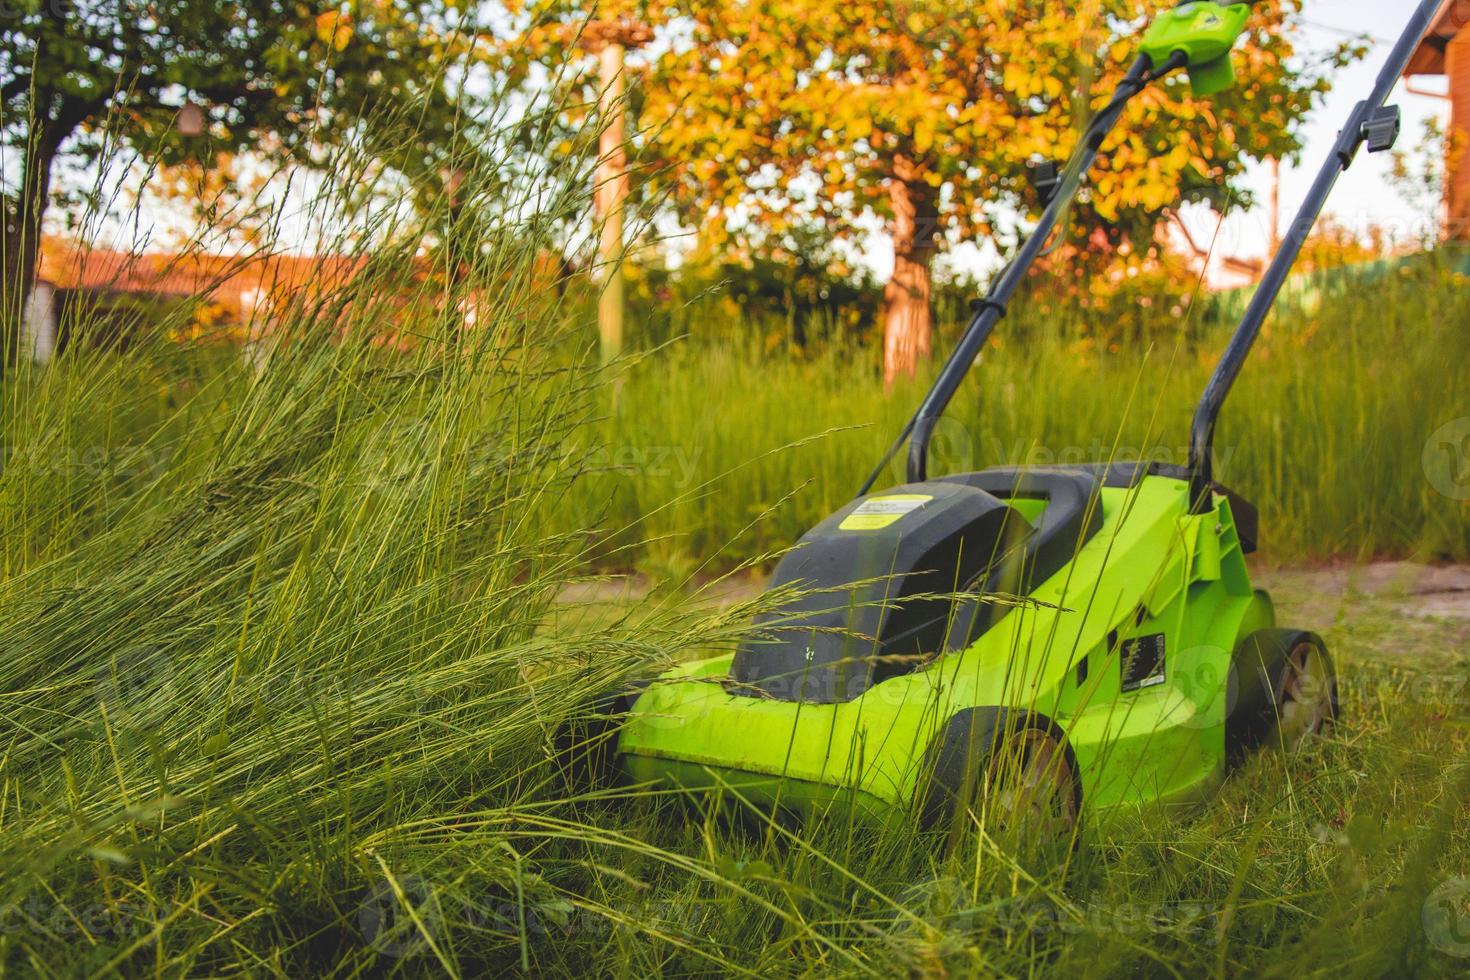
(585, 746)
(1009, 771)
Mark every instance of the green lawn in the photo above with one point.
(285, 655)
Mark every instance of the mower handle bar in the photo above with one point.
(990, 310)
(1349, 142)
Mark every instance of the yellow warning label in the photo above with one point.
(880, 512)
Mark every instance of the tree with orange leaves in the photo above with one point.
(925, 116)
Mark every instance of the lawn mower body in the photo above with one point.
(1100, 619)
(1114, 612)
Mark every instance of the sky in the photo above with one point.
(1363, 196)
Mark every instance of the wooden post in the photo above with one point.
(610, 41)
(611, 197)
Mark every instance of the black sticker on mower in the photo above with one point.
(1143, 662)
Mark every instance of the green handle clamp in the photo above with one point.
(1203, 31)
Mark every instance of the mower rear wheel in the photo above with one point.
(1283, 691)
(1307, 705)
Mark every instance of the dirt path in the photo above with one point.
(1433, 591)
(1390, 610)
(1415, 616)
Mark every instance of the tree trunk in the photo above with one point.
(907, 331)
(22, 253)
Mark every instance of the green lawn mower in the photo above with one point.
(1031, 644)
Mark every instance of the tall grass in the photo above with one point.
(264, 621)
(715, 451)
(281, 692)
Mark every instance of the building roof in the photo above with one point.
(230, 280)
(1429, 58)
